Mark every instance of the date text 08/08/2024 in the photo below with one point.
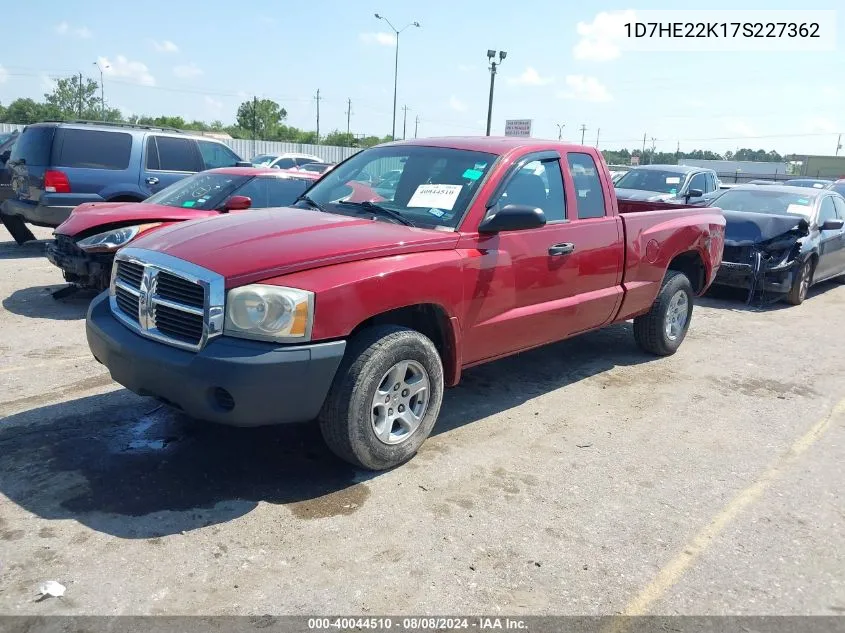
(417, 623)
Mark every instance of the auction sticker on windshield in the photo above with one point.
(437, 196)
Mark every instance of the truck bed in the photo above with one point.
(654, 232)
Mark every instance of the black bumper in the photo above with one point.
(89, 270)
(37, 214)
(742, 276)
(230, 381)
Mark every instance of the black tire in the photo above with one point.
(801, 284)
(650, 328)
(346, 417)
(17, 228)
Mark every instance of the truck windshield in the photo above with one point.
(200, 191)
(426, 186)
(651, 180)
(765, 201)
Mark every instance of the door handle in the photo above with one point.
(564, 248)
(152, 180)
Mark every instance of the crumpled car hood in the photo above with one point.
(743, 228)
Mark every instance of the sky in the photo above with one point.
(562, 67)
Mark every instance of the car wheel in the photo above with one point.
(663, 328)
(385, 398)
(801, 284)
(17, 228)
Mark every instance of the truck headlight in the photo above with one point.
(269, 313)
(114, 239)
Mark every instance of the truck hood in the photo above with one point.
(91, 215)
(265, 243)
(639, 194)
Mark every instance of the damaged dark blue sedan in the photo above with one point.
(781, 240)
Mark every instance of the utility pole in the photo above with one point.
(404, 120)
(678, 151)
(254, 121)
(317, 98)
(560, 127)
(583, 129)
(80, 95)
(416, 125)
(643, 155)
(838, 144)
(491, 57)
(598, 131)
(348, 115)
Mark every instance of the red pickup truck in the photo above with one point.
(357, 313)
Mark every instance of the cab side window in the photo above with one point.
(827, 210)
(538, 184)
(585, 176)
(839, 203)
(699, 181)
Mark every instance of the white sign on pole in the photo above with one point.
(518, 127)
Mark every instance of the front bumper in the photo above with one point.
(777, 281)
(37, 214)
(89, 270)
(230, 381)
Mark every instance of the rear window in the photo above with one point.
(174, 154)
(92, 149)
(34, 145)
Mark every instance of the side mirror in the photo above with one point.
(513, 217)
(237, 203)
(832, 225)
(694, 193)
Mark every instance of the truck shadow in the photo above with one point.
(122, 465)
(27, 250)
(37, 302)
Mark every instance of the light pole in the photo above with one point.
(395, 67)
(102, 91)
(560, 127)
(491, 57)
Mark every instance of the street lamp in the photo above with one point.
(396, 66)
(102, 91)
(491, 57)
(560, 127)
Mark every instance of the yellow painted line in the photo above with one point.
(8, 370)
(671, 573)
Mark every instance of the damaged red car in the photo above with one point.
(85, 244)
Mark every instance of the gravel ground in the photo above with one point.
(583, 478)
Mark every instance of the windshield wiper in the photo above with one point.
(375, 209)
(306, 198)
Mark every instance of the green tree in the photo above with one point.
(264, 116)
(2, 112)
(75, 98)
(338, 138)
(25, 111)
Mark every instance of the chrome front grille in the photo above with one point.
(167, 299)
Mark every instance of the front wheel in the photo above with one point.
(663, 328)
(801, 284)
(385, 398)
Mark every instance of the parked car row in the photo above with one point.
(781, 238)
(354, 296)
